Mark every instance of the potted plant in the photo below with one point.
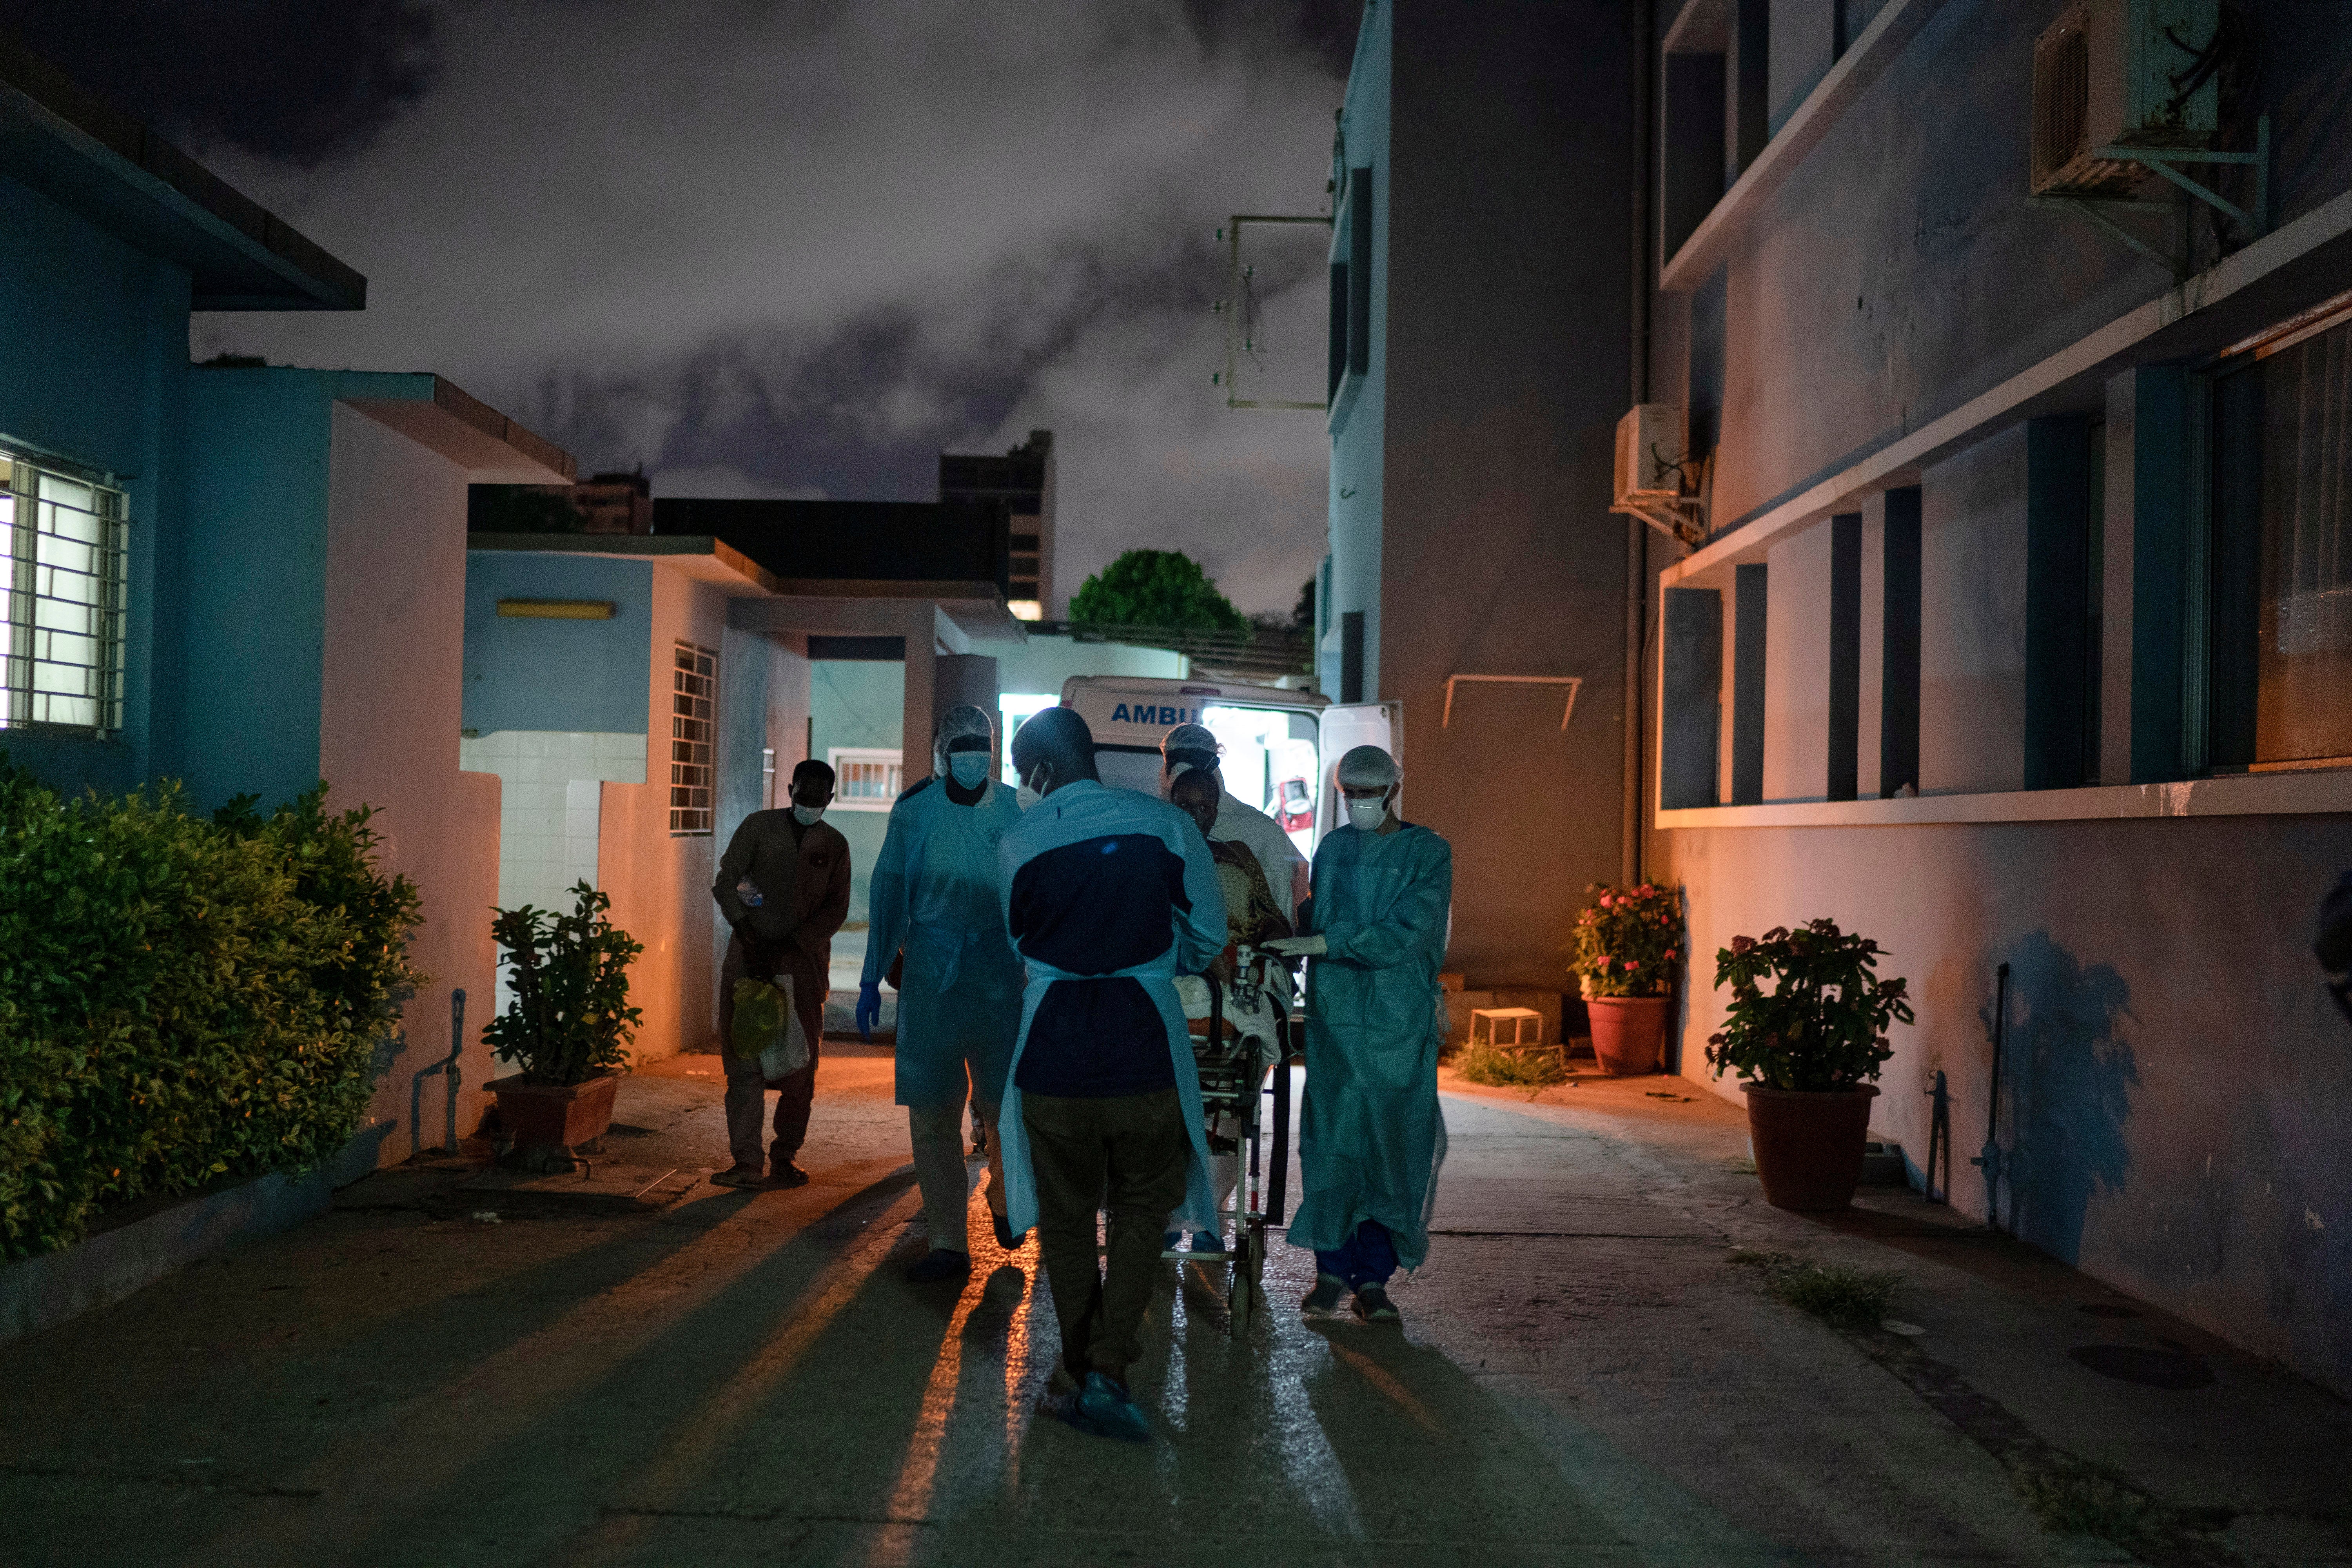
(569, 1024)
(1626, 950)
(1805, 1050)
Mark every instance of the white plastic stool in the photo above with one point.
(1517, 1017)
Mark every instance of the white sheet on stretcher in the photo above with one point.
(1250, 1011)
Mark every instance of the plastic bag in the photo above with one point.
(767, 1027)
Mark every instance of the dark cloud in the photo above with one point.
(800, 249)
(298, 80)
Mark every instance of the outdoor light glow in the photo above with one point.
(1013, 710)
(1025, 609)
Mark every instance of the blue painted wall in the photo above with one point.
(93, 370)
(525, 674)
(860, 702)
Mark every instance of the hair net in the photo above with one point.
(1367, 767)
(963, 719)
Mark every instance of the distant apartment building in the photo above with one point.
(615, 503)
(1021, 484)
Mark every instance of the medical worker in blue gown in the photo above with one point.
(1109, 895)
(938, 892)
(1370, 1137)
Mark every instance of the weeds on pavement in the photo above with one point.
(1848, 1298)
(1510, 1067)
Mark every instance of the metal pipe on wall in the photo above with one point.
(1637, 534)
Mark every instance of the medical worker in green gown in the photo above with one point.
(1370, 1137)
(938, 892)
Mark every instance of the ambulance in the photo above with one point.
(1281, 748)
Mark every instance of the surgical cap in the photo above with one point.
(1189, 737)
(964, 720)
(1367, 767)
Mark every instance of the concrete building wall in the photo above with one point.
(389, 696)
(531, 674)
(2174, 1064)
(2176, 1082)
(1359, 417)
(660, 884)
(94, 372)
(1972, 620)
(1797, 668)
(1506, 366)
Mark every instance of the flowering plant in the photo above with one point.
(1629, 942)
(1823, 1024)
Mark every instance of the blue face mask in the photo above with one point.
(969, 768)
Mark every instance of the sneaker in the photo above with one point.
(1207, 1241)
(1323, 1301)
(939, 1263)
(1373, 1306)
(1101, 1408)
(739, 1177)
(785, 1174)
(1005, 1237)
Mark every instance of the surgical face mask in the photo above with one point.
(808, 815)
(969, 769)
(1024, 798)
(1367, 814)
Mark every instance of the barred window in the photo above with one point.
(62, 548)
(866, 778)
(693, 730)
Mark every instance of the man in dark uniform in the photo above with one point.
(797, 869)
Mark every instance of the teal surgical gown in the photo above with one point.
(1370, 1137)
(937, 891)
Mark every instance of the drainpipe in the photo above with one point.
(1637, 532)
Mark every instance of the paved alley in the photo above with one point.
(1586, 1373)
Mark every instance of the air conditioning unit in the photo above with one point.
(2122, 73)
(1650, 455)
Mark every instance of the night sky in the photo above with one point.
(795, 249)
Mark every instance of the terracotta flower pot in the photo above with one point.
(546, 1115)
(1627, 1031)
(1809, 1143)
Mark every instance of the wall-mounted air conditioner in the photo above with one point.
(2122, 73)
(1649, 453)
(1653, 461)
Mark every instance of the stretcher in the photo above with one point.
(1244, 1034)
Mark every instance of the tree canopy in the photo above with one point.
(1155, 588)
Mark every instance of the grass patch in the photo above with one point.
(2084, 1502)
(1848, 1298)
(1510, 1067)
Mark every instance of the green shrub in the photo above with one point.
(570, 1018)
(181, 1000)
(1823, 1024)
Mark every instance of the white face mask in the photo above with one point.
(1368, 814)
(808, 815)
(1024, 798)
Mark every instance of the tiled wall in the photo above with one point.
(551, 780)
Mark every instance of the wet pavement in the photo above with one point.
(1586, 1373)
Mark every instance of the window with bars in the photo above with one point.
(693, 736)
(62, 550)
(866, 778)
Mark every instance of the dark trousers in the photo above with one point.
(1127, 1153)
(745, 1087)
(1369, 1258)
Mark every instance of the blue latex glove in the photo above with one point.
(869, 1009)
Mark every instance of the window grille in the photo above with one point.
(693, 732)
(866, 778)
(63, 543)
